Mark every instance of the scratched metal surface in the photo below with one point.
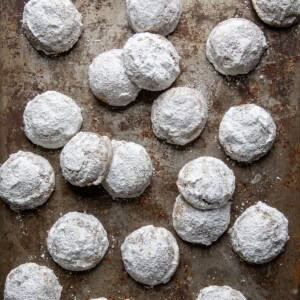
(275, 179)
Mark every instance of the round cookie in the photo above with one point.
(150, 255)
(279, 13)
(51, 119)
(156, 16)
(85, 159)
(259, 234)
(109, 81)
(77, 241)
(130, 171)
(235, 46)
(215, 292)
(52, 26)
(151, 61)
(199, 226)
(179, 115)
(31, 281)
(206, 183)
(27, 181)
(247, 132)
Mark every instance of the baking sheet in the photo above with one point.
(275, 179)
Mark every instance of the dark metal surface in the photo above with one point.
(274, 85)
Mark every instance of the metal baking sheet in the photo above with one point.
(275, 179)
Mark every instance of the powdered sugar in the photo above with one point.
(27, 181)
(52, 26)
(130, 171)
(31, 281)
(151, 61)
(235, 46)
(150, 255)
(206, 183)
(86, 158)
(247, 132)
(214, 292)
(259, 234)
(281, 13)
(156, 16)
(109, 81)
(51, 119)
(199, 226)
(179, 115)
(77, 241)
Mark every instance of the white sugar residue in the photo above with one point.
(257, 178)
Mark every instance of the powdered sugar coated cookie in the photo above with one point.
(31, 281)
(130, 171)
(206, 183)
(247, 132)
(151, 61)
(27, 181)
(52, 26)
(86, 158)
(179, 115)
(259, 234)
(156, 16)
(109, 81)
(150, 255)
(235, 46)
(199, 226)
(77, 241)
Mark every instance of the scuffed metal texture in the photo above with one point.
(274, 85)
